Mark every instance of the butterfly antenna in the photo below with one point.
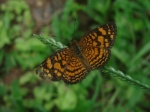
(75, 27)
(74, 24)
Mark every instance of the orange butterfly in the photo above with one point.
(72, 64)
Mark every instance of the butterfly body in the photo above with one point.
(77, 51)
(72, 64)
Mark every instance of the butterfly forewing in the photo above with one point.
(54, 66)
(102, 36)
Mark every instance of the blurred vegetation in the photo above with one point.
(20, 52)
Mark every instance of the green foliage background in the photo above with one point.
(20, 52)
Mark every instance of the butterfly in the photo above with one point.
(72, 64)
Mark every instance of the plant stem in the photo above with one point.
(108, 70)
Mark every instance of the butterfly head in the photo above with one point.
(74, 43)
